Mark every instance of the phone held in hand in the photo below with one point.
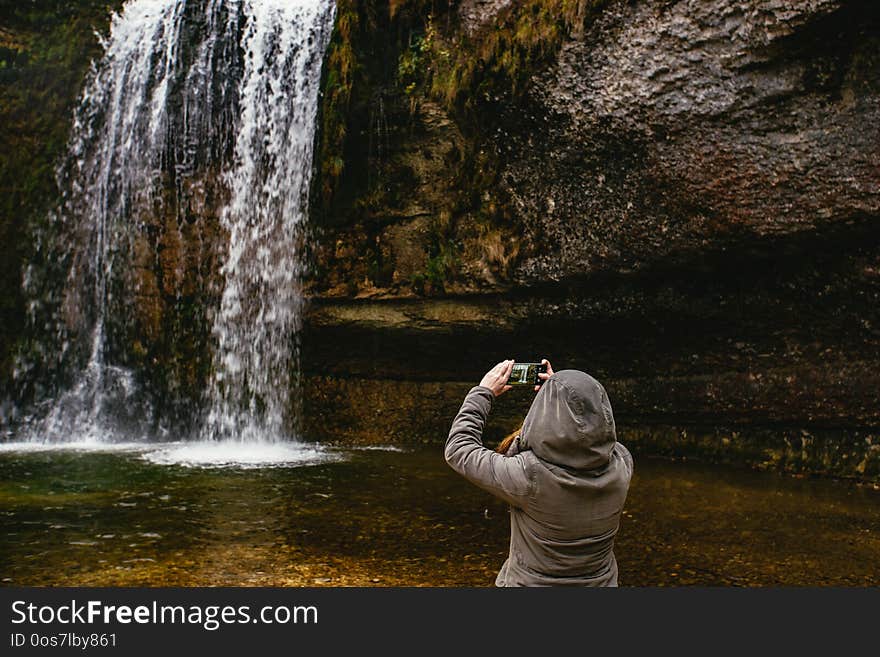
(526, 374)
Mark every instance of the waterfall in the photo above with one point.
(185, 87)
(257, 360)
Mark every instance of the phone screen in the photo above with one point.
(523, 374)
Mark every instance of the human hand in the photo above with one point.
(544, 376)
(496, 378)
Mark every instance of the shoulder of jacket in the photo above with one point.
(625, 454)
(531, 464)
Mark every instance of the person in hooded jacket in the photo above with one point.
(565, 477)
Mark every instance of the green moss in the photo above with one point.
(443, 256)
(379, 271)
(463, 72)
(390, 60)
(340, 67)
(440, 268)
(360, 67)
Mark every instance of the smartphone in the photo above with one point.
(526, 374)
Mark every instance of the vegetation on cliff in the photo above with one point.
(387, 104)
(468, 72)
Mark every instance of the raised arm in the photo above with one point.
(505, 477)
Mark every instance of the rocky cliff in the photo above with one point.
(655, 130)
(680, 197)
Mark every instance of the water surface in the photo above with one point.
(382, 518)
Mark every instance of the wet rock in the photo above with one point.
(477, 14)
(670, 127)
(683, 201)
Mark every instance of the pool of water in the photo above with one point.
(324, 516)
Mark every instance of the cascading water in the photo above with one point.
(118, 138)
(254, 393)
(184, 86)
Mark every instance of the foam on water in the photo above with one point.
(379, 448)
(96, 446)
(201, 454)
(233, 454)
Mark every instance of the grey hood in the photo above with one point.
(570, 422)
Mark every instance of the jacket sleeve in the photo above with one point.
(506, 477)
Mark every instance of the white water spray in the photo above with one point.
(117, 140)
(255, 391)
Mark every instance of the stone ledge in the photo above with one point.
(375, 411)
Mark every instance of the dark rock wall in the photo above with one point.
(659, 129)
(667, 127)
(683, 201)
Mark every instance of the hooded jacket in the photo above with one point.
(566, 479)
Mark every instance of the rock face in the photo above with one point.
(684, 202)
(669, 126)
(659, 129)
(476, 14)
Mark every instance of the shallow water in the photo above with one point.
(380, 518)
